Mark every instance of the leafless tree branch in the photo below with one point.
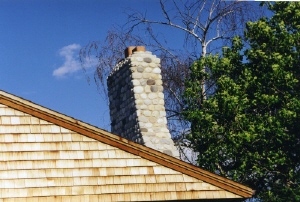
(204, 24)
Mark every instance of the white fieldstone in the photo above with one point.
(152, 119)
(162, 113)
(144, 64)
(138, 89)
(160, 95)
(156, 130)
(161, 134)
(142, 124)
(155, 101)
(151, 107)
(144, 107)
(134, 63)
(143, 95)
(152, 96)
(136, 82)
(139, 101)
(165, 120)
(148, 69)
(147, 102)
(169, 147)
(137, 75)
(155, 140)
(155, 113)
(161, 102)
(158, 107)
(146, 75)
(147, 113)
(165, 130)
(154, 76)
(138, 112)
(140, 59)
(143, 119)
(143, 82)
(166, 141)
(137, 96)
(133, 69)
(156, 70)
(147, 138)
(156, 60)
(152, 64)
(148, 125)
(147, 89)
(160, 120)
(160, 89)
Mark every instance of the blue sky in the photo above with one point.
(39, 45)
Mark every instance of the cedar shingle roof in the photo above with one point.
(47, 155)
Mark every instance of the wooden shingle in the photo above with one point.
(47, 156)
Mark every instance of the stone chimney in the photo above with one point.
(136, 101)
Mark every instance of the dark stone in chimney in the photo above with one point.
(148, 60)
(150, 82)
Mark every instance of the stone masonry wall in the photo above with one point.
(137, 102)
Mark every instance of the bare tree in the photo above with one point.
(204, 27)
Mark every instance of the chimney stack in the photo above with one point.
(136, 101)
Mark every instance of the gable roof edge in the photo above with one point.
(122, 143)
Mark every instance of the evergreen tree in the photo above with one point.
(249, 129)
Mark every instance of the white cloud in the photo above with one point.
(71, 63)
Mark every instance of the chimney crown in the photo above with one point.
(131, 49)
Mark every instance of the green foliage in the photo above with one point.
(249, 130)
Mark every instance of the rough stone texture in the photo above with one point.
(137, 103)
